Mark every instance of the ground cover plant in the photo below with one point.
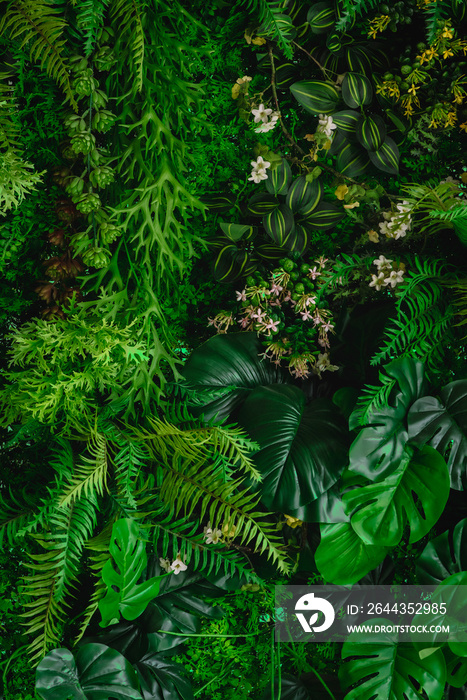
(233, 302)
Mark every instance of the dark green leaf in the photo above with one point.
(279, 179)
(237, 231)
(444, 556)
(324, 216)
(321, 17)
(302, 196)
(386, 158)
(371, 132)
(279, 224)
(262, 203)
(347, 121)
(352, 160)
(315, 96)
(356, 90)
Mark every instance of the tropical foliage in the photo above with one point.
(233, 298)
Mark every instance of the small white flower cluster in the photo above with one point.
(262, 115)
(211, 536)
(259, 169)
(396, 225)
(176, 566)
(326, 125)
(387, 274)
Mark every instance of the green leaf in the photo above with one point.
(237, 231)
(442, 423)
(386, 670)
(298, 240)
(232, 263)
(356, 90)
(386, 158)
(303, 447)
(321, 17)
(358, 60)
(99, 673)
(444, 556)
(269, 251)
(324, 216)
(261, 203)
(161, 678)
(279, 224)
(347, 121)
(371, 132)
(315, 96)
(416, 493)
(379, 447)
(352, 160)
(224, 370)
(303, 196)
(279, 179)
(131, 598)
(342, 557)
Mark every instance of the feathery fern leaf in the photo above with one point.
(38, 23)
(91, 475)
(350, 9)
(89, 20)
(129, 15)
(9, 129)
(435, 11)
(373, 398)
(14, 516)
(186, 485)
(274, 22)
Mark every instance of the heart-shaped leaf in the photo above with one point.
(124, 594)
(303, 447)
(416, 493)
(442, 423)
(99, 673)
(342, 557)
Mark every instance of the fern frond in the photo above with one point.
(342, 271)
(456, 214)
(183, 537)
(38, 24)
(274, 22)
(9, 129)
(349, 10)
(435, 11)
(14, 516)
(129, 14)
(373, 398)
(91, 475)
(186, 486)
(89, 20)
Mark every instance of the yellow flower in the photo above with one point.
(447, 33)
(235, 91)
(413, 89)
(293, 522)
(228, 530)
(259, 41)
(463, 126)
(428, 55)
(352, 205)
(451, 117)
(373, 236)
(448, 53)
(341, 191)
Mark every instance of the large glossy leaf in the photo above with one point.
(324, 216)
(379, 447)
(386, 670)
(279, 224)
(342, 557)
(98, 673)
(347, 121)
(321, 17)
(352, 160)
(371, 132)
(160, 678)
(124, 594)
(442, 423)
(356, 90)
(303, 447)
(280, 178)
(302, 196)
(308, 686)
(386, 158)
(416, 493)
(315, 96)
(444, 556)
(224, 370)
(327, 508)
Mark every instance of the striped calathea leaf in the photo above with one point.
(262, 203)
(386, 158)
(371, 132)
(316, 96)
(352, 159)
(325, 216)
(279, 224)
(321, 17)
(356, 90)
(235, 232)
(303, 196)
(232, 263)
(279, 179)
(347, 121)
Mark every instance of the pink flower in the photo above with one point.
(321, 261)
(327, 326)
(213, 322)
(323, 342)
(258, 315)
(276, 289)
(306, 315)
(314, 273)
(272, 325)
(241, 296)
(310, 300)
(288, 296)
(317, 319)
(244, 322)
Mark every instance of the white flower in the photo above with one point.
(394, 278)
(165, 564)
(268, 125)
(377, 281)
(211, 536)
(178, 565)
(382, 262)
(261, 114)
(326, 125)
(323, 363)
(259, 169)
(241, 296)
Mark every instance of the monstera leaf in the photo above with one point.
(379, 447)
(124, 594)
(444, 556)
(98, 673)
(224, 370)
(416, 493)
(386, 670)
(160, 678)
(342, 557)
(303, 447)
(442, 423)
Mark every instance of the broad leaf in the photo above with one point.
(442, 423)
(324, 216)
(342, 557)
(279, 224)
(416, 493)
(347, 121)
(237, 231)
(444, 556)
(371, 132)
(386, 670)
(321, 17)
(224, 370)
(315, 96)
(386, 158)
(356, 90)
(352, 160)
(160, 678)
(124, 594)
(378, 448)
(99, 673)
(279, 179)
(302, 196)
(303, 446)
